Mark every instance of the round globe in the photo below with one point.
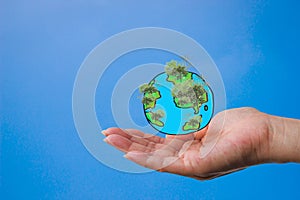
(177, 101)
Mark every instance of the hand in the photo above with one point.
(233, 140)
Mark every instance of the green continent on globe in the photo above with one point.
(155, 117)
(186, 93)
(192, 124)
(176, 80)
(151, 94)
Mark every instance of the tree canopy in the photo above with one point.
(195, 120)
(146, 88)
(147, 100)
(176, 69)
(158, 114)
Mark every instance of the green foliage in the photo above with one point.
(189, 93)
(150, 95)
(194, 121)
(147, 100)
(175, 69)
(143, 87)
(184, 92)
(183, 89)
(157, 115)
(183, 100)
(146, 88)
(199, 91)
(161, 113)
(170, 67)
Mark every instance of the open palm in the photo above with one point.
(233, 140)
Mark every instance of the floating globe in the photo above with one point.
(177, 101)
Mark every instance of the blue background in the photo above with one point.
(255, 44)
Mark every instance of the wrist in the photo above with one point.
(284, 140)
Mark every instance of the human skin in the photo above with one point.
(234, 139)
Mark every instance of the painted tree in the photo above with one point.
(195, 120)
(184, 93)
(143, 87)
(180, 71)
(146, 88)
(169, 68)
(198, 89)
(157, 115)
(174, 69)
(183, 100)
(147, 100)
(182, 89)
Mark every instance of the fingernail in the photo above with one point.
(125, 156)
(129, 156)
(104, 132)
(105, 140)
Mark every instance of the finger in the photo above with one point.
(136, 144)
(115, 130)
(127, 143)
(118, 141)
(150, 137)
(129, 133)
(124, 144)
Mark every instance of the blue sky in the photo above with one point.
(43, 43)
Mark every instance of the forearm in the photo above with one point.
(284, 140)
